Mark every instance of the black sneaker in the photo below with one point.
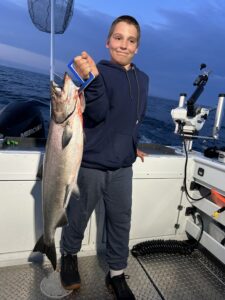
(70, 277)
(119, 287)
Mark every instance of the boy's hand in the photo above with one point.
(84, 64)
(141, 154)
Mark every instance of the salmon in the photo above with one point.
(63, 155)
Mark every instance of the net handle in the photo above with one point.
(52, 40)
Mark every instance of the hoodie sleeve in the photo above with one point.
(97, 102)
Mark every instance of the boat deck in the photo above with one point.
(157, 276)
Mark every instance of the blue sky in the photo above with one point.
(177, 36)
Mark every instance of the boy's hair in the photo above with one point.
(128, 20)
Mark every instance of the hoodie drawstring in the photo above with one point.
(138, 92)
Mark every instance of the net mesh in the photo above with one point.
(40, 13)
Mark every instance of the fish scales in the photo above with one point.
(63, 155)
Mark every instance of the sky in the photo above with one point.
(176, 37)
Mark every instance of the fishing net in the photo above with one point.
(40, 13)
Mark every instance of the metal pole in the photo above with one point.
(52, 40)
(182, 99)
(219, 116)
(181, 105)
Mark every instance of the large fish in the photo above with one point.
(62, 161)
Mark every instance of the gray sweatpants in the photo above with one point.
(115, 189)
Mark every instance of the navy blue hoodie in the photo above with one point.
(115, 105)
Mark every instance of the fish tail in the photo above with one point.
(49, 250)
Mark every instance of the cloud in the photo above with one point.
(170, 53)
(22, 57)
(20, 3)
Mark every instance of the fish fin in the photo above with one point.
(40, 172)
(50, 250)
(67, 135)
(76, 190)
(84, 137)
(67, 196)
(62, 221)
(82, 102)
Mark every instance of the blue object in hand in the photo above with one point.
(83, 83)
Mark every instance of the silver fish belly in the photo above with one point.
(63, 155)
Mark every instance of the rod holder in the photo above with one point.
(181, 104)
(219, 116)
(182, 99)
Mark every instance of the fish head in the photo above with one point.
(64, 100)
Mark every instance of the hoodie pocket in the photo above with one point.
(123, 148)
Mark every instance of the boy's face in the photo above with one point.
(123, 44)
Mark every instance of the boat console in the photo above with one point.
(203, 173)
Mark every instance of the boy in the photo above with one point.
(115, 105)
